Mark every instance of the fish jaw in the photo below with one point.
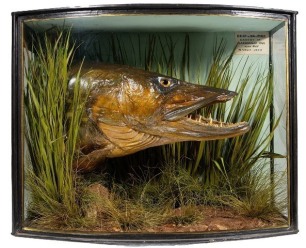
(199, 129)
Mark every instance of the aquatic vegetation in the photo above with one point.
(51, 134)
(172, 197)
(167, 185)
(258, 197)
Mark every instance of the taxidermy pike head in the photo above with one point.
(130, 109)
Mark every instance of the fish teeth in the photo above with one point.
(210, 120)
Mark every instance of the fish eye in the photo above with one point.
(165, 82)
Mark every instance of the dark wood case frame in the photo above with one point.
(147, 238)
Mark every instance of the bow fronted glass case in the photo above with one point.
(154, 123)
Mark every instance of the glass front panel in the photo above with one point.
(155, 123)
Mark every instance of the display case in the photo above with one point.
(138, 124)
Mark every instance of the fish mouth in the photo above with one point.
(208, 121)
(178, 113)
(198, 128)
(186, 123)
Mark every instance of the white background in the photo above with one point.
(8, 6)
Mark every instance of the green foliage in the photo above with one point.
(171, 197)
(181, 176)
(240, 154)
(257, 196)
(173, 186)
(186, 215)
(51, 134)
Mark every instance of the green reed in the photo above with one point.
(225, 172)
(51, 135)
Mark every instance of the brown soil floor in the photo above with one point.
(214, 219)
(220, 220)
(210, 219)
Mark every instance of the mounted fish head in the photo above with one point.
(133, 109)
(180, 121)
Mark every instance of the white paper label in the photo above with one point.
(252, 43)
